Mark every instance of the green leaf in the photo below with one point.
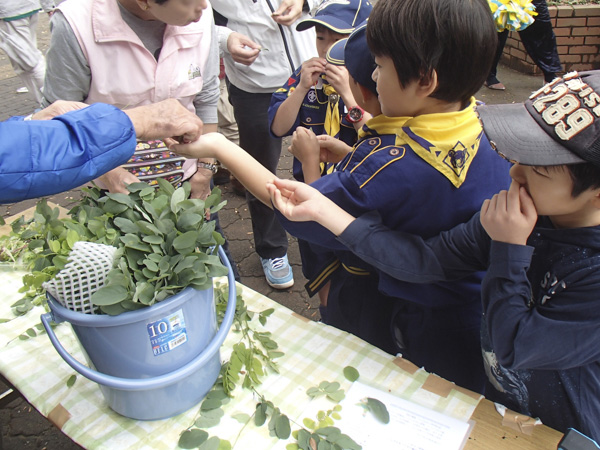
(211, 444)
(109, 295)
(336, 396)
(241, 417)
(186, 242)
(260, 415)
(224, 445)
(177, 197)
(313, 392)
(332, 387)
(72, 238)
(192, 438)
(210, 403)
(71, 381)
(378, 409)
(153, 239)
(282, 427)
(351, 373)
(207, 422)
(309, 423)
(347, 443)
(126, 225)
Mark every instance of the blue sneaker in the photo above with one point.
(278, 272)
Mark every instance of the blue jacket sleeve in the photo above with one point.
(403, 256)
(44, 157)
(278, 97)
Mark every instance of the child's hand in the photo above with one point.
(332, 150)
(205, 147)
(311, 70)
(339, 78)
(297, 201)
(305, 146)
(509, 216)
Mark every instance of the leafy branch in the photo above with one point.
(254, 352)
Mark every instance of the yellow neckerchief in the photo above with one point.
(332, 116)
(447, 141)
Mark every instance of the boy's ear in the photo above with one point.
(427, 84)
(596, 198)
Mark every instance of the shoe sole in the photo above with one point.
(281, 285)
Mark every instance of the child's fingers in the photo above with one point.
(527, 205)
(512, 197)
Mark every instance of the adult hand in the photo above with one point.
(243, 50)
(288, 12)
(117, 179)
(305, 146)
(200, 187)
(168, 120)
(311, 70)
(56, 109)
(331, 149)
(509, 216)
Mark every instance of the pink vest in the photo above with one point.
(124, 73)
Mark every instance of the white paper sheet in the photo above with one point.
(411, 426)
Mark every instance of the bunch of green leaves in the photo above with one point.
(330, 389)
(321, 435)
(209, 415)
(165, 244)
(255, 350)
(45, 242)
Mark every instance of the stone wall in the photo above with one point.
(577, 30)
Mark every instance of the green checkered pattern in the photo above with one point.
(313, 353)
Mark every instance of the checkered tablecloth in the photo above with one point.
(313, 353)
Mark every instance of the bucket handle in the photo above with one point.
(133, 384)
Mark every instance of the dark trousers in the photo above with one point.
(250, 110)
(539, 41)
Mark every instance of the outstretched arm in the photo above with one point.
(244, 167)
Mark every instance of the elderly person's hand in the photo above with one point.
(243, 50)
(168, 120)
(288, 12)
(56, 109)
(116, 180)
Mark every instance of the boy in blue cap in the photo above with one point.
(424, 165)
(317, 97)
(540, 244)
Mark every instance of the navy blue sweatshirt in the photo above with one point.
(541, 308)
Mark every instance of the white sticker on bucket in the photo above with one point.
(167, 333)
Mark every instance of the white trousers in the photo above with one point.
(18, 39)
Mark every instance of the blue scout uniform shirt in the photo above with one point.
(541, 309)
(423, 175)
(313, 115)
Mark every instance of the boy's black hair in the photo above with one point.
(456, 38)
(585, 176)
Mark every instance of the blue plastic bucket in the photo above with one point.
(155, 362)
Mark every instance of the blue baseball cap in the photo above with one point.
(341, 16)
(353, 52)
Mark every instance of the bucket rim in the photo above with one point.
(60, 313)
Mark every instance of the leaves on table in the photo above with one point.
(377, 408)
(351, 374)
(330, 389)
